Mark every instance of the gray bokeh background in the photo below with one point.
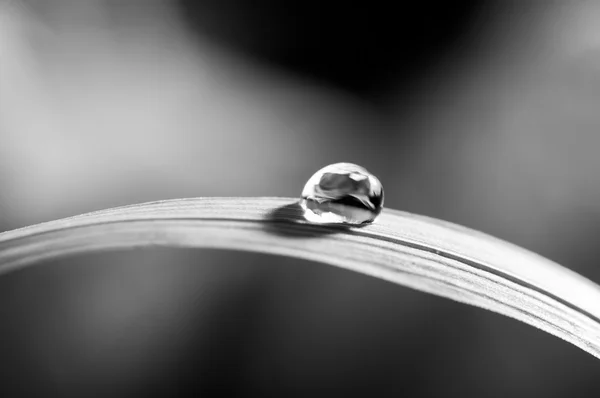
(482, 114)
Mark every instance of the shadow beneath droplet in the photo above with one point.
(288, 220)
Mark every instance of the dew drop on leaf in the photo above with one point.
(342, 193)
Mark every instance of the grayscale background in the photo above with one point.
(480, 113)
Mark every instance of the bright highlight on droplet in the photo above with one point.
(342, 193)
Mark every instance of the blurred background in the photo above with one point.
(480, 113)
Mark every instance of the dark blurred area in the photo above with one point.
(479, 113)
(361, 49)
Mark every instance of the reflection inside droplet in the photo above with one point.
(342, 193)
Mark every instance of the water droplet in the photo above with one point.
(342, 193)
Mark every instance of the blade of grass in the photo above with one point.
(415, 251)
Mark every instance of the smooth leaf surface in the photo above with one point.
(415, 251)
